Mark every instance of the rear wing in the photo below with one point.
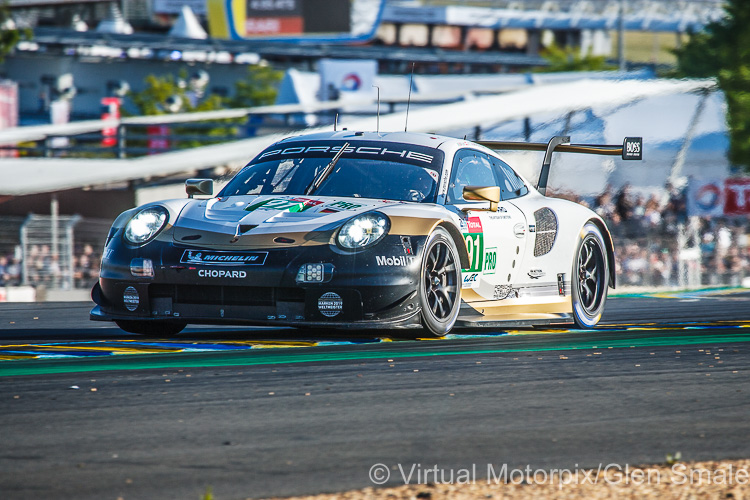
(631, 149)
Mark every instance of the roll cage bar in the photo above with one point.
(631, 149)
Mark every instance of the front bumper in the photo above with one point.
(373, 288)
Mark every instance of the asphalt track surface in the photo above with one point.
(82, 417)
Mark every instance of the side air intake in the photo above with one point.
(546, 231)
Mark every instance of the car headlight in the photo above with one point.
(145, 225)
(363, 230)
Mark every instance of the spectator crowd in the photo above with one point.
(647, 231)
(45, 268)
(646, 228)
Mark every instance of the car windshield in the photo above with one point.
(391, 171)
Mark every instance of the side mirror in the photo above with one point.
(483, 193)
(199, 186)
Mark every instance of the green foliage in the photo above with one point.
(152, 100)
(570, 59)
(698, 58)
(259, 89)
(9, 34)
(723, 51)
(155, 98)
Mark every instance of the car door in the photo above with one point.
(494, 240)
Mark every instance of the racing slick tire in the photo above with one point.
(439, 286)
(151, 328)
(589, 278)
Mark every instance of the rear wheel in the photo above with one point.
(156, 328)
(590, 278)
(440, 284)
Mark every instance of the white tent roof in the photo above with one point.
(35, 175)
(188, 26)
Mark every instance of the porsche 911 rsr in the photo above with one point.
(363, 230)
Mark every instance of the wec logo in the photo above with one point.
(470, 280)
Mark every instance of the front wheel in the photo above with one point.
(155, 328)
(590, 277)
(440, 284)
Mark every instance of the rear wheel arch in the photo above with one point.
(610, 249)
(589, 277)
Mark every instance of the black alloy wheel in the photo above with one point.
(440, 284)
(590, 278)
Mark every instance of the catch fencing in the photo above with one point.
(53, 252)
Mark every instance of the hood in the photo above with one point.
(263, 221)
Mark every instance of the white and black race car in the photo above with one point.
(363, 230)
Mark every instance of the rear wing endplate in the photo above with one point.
(631, 149)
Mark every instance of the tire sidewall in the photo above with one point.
(433, 325)
(583, 318)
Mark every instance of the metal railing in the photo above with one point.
(47, 250)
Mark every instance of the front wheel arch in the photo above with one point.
(460, 243)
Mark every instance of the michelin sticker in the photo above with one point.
(211, 258)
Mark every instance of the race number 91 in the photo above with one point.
(475, 249)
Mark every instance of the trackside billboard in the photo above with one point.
(717, 197)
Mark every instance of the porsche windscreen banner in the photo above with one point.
(396, 152)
